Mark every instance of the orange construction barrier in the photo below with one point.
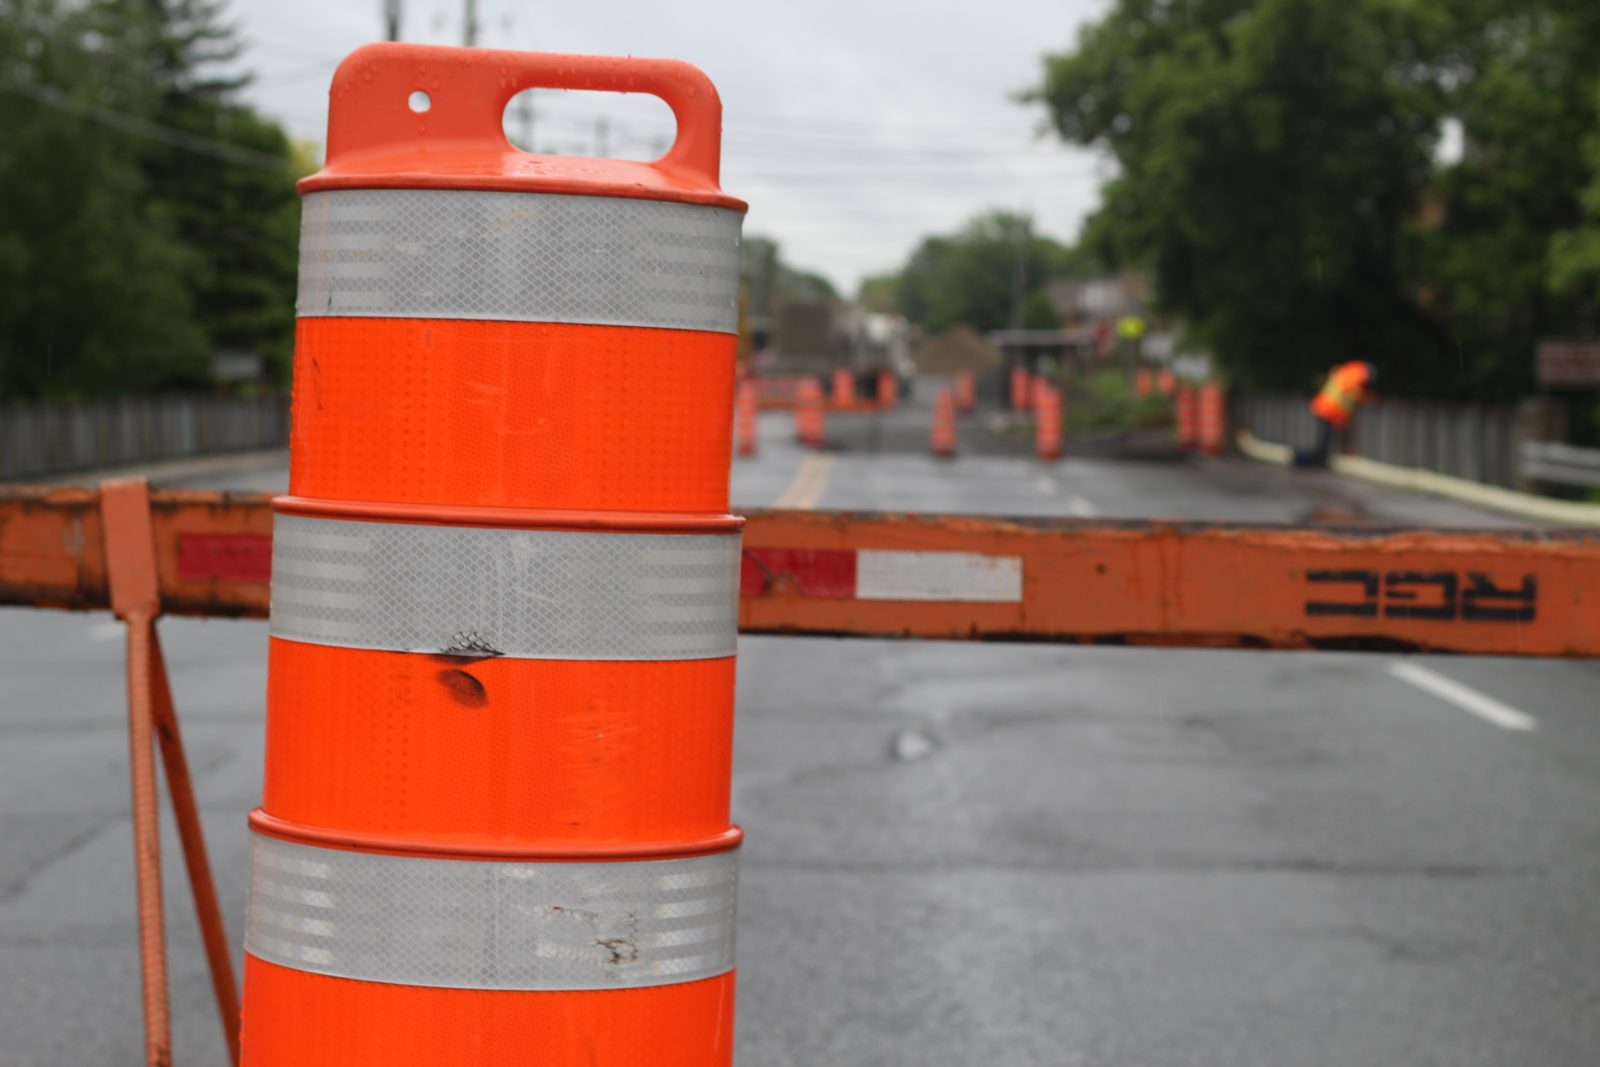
(966, 392)
(1019, 389)
(810, 418)
(500, 679)
(888, 390)
(1047, 421)
(844, 388)
(1212, 424)
(1143, 381)
(746, 414)
(1154, 582)
(942, 437)
(1185, 414)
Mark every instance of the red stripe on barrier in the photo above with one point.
(825, 574)
(224, 557)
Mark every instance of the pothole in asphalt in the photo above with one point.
(908, 746)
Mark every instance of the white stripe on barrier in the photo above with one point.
(520, 257)
(467, 924)
(527, 594)
(960, 576)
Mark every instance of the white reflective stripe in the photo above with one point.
(469, 924)
(962, 576)
(522, 257)
(527, 594)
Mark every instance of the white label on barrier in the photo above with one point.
(962, 576)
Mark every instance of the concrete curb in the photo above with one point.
(160, 470)
(1509, 501)
(1264, 451)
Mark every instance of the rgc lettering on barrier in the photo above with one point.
(1444, 596)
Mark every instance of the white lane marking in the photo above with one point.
(1081, 508)
(1046, 485)
(1467, 699)
(106, 631)
(809, 482)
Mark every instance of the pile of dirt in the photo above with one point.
(957, 349)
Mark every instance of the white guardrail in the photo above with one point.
(1547, 461)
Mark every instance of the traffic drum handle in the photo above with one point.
(377, 108)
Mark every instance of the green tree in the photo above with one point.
(1271, 155)
(1522, 80)
(1575, 252)
(235, 210)
(970, 277)
(150, 218)
(769, 282)
(92, 298)
(879, 292)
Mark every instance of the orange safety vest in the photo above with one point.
(1344, 389)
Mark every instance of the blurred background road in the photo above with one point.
(968, 853)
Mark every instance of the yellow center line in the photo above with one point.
(809, 482)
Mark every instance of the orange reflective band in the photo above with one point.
(463, 752)
(503, 414)
(311, 1020)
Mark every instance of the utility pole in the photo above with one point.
(469, 36)
(1019, 292)
(1019, 281)
(391, 19)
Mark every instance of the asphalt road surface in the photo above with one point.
(969, 854)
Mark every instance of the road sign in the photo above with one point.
(1569, 364)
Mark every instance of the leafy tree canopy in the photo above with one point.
(971, 277)
(150, 218)
(1278, 176)
(769, 282)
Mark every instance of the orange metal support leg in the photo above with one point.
(136, 599)
(186, 813)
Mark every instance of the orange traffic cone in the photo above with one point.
(1184, 404)
(1143, 381)
(966, 392)
(844, 388)
(1166, 382)
(1047, 422)
(1213, 417)
(1038, 386)
(745, 406)
(494, 822)
(942, 439)
(1019, 389)
(888, 390)
(810, 423)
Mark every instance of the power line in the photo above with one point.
(138, 126)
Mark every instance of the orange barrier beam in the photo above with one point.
(1510, 592)
(1532, 593)
(213, 550)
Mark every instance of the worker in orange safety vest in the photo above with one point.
(1347, 385)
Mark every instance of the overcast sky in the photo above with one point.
(852, 128)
